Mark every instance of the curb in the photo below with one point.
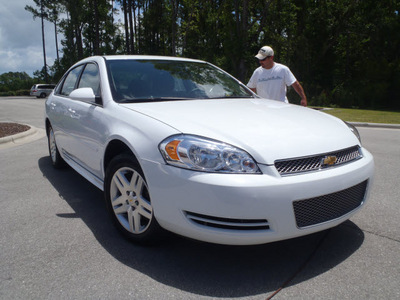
(14, 139)
(375, 125)
(11, 138)
(31, 134)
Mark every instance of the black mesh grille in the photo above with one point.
(328, 207)
(313, 163)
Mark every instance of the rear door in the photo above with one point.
(61, 114)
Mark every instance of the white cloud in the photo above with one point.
(21, 39)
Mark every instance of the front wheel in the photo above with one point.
(128, 200)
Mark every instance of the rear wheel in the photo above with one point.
(128, 200)
(56, 159)
(43, 95)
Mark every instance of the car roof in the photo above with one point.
(146, 57)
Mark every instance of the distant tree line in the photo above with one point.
(345, 52)
(15, 84)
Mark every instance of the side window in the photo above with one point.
(90, 78)
(70, 81)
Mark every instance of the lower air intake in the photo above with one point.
(228, 223)
(321, 209)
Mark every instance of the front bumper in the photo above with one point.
(246, 209)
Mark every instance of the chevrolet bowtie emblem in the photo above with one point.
(328, 161)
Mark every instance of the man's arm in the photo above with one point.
(299, 89)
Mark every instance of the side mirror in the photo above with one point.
(85, 94)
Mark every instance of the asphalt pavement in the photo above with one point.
(57, 242)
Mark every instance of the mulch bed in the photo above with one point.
(7, 129)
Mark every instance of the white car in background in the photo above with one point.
(179, 144)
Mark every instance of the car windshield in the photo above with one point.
(163, 80)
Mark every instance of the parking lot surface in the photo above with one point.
(57, 241)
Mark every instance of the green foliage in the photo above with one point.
(14, 81)
(352, 55)
(345, 53)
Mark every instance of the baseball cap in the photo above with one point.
(264, 52)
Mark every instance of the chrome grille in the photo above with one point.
(321, 209)
(314, 163)
(228, 223)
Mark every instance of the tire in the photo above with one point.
(43, 95)
(128, 200)
(56, 160)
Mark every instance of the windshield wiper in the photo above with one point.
(231, 97)
(152, 99)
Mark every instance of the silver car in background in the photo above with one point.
(42, 90)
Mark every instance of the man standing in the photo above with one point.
(271, 79)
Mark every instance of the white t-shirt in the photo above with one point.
(272, 83)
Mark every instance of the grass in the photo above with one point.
(367, 116)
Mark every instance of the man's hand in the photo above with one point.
(299, 89)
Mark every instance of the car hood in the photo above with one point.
(268, 130)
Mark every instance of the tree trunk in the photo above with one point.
(174, 4)
(126, 26)
(44, 44)
(131, 6)
(96, 43)
(55, 33)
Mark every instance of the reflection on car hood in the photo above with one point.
(266, 129)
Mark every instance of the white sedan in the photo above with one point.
(178, 144)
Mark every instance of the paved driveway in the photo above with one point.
(56, 240)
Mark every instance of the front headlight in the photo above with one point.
(354, 130)
(201, 154)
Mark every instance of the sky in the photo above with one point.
(21, 47)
